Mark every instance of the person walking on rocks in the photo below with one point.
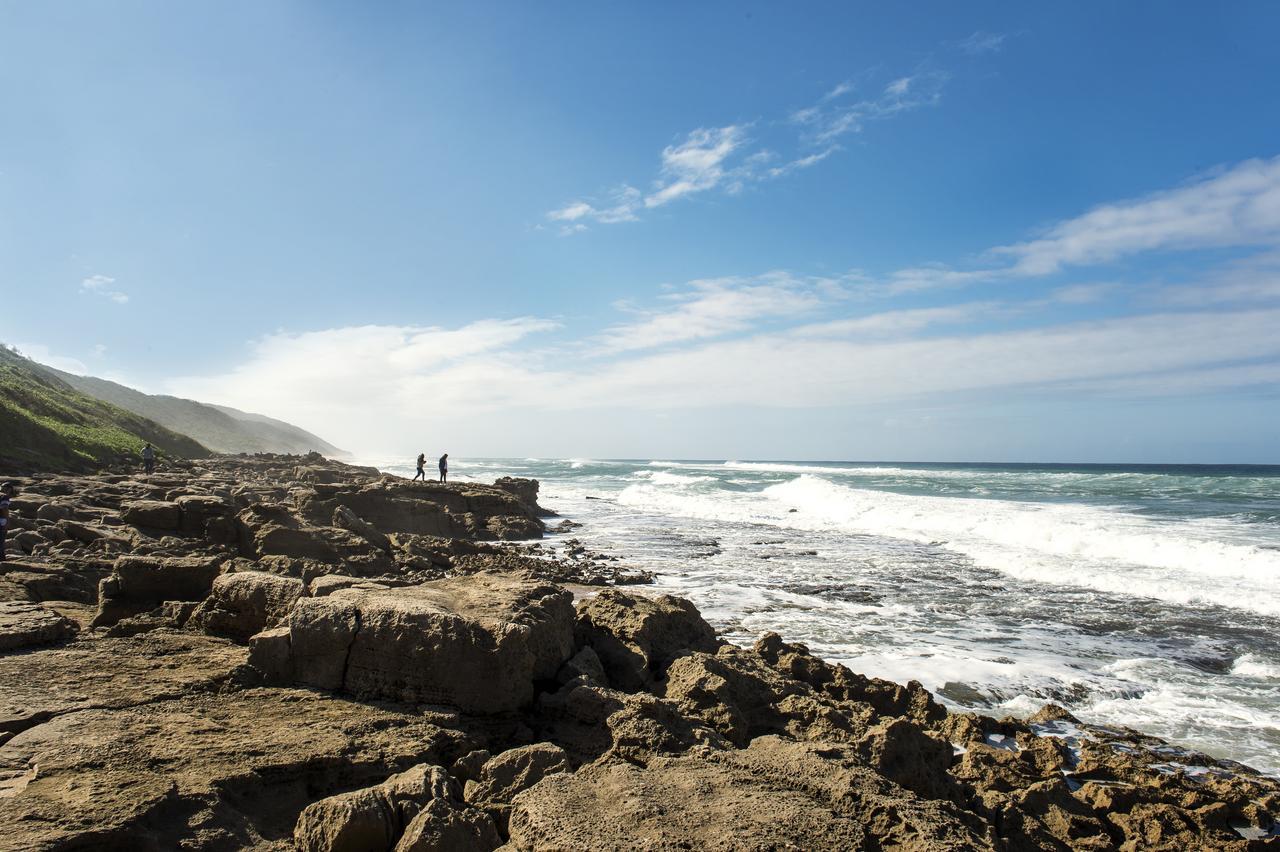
(444, 467)
(6, 493)
(422, 464)
(148, 458)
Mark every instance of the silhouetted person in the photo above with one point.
(444, 467)
(148, 458)
(422, 468)
(6, 492)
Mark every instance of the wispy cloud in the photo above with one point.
(719, 306)
(729, 159)
(834, 116)
(696, 164)
(101, 285)
(1235, 207)
(983, 42)
(1238, 206)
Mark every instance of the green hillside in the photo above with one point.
(221, 429)
(45, 424)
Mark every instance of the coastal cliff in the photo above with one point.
(280, 652)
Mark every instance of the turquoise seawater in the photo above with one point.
(1145, 595)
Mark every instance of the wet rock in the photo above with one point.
(912, 701)
(636, 637)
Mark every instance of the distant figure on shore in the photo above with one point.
(444, 467)
(422, 465)
(148, 458)
(6, 492)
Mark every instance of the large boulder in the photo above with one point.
(152, 514)
(141, 583)
(476, 643)
(246, 602)
(637, 637)
(24, 625)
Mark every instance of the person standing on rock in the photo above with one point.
(444, 467)
(6, 493)
(422, 465)
(148, 458)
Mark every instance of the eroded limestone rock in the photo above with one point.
(637, 637)
(243, 603)
(476, 643)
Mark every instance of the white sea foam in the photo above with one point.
(1062, 544)
(1254, 666)
(662, 477)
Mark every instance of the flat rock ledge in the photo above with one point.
(289, 653)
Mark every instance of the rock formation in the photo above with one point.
(278, 652)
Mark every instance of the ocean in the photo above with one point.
(1139, 595)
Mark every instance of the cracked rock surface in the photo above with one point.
(285, 652)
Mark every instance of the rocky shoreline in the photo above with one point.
(286, 652)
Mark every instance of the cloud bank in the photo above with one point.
(781, 340)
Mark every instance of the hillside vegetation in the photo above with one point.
(46, 424)
(221, 429)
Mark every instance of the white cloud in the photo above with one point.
(1250, 279)
(696, 164)
(101, 285)
(716, 307)
(983, 42)
(897, 323)
(711, 158)
(1235, 207)
(801, 163)
(572, 212)
(796, 371)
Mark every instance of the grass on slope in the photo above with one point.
(46, 424)
(223, 430)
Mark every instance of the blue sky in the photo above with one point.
(925, 231)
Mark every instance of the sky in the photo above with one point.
(847, 231)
